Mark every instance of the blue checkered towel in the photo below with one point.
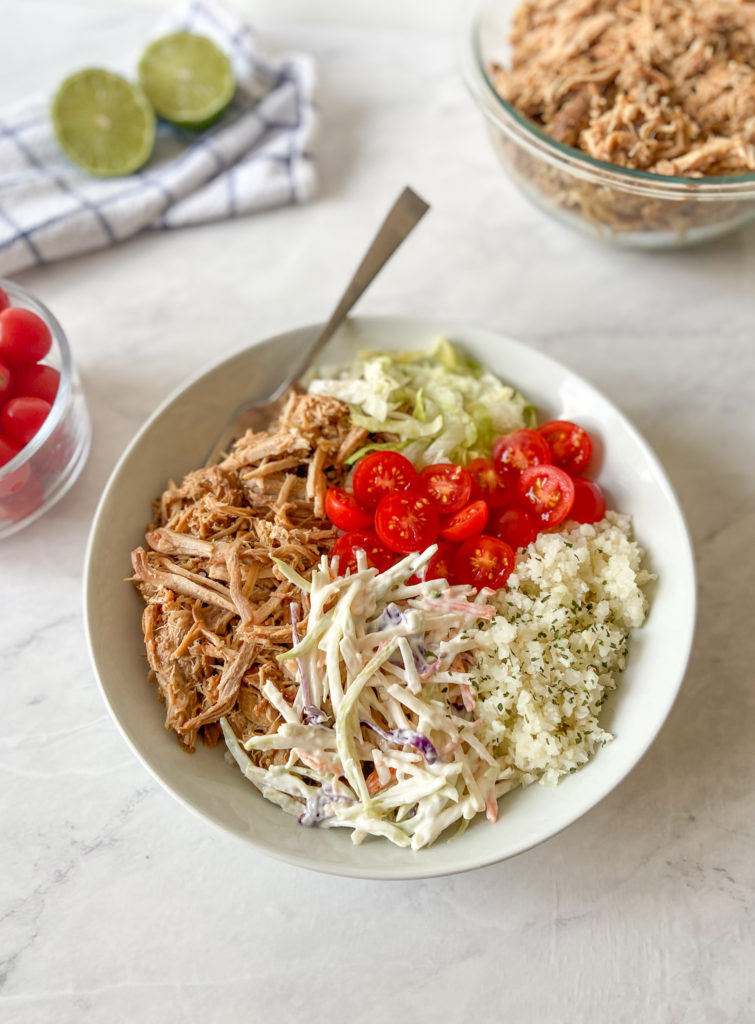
(256, 156)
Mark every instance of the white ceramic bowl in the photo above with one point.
(175, 440)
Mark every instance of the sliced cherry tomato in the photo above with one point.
(406, 521)
(381, 473)
(589, 505)
(570, 445)
(515, 526)
(4, 300)
(467, 522)
(440, 566)
(35, 382)
(24, 337)
(21, 418)
(448, 486)
(484, 562)
(488, 486)
(342, 510)
(513, 453)
(547, 492)
(21, 503)
(348, 544)
(6, 382)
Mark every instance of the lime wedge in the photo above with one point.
(187, 79)
(103, 123)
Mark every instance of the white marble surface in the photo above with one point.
(116, 904)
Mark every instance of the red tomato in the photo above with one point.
(21, 418)
(381, 473)
(547, 492)
(406, 521)
(514, 453)
(484, 562)
(342, 510)
(21, 503)
(446, 485)
(346, 546)
(589, 505)
(35, 382)
(467, 522)
(7, 450)
(570, 445)
(6, 381)
(488, 486)
(4, 300)
(516, 526)
(11, 482)
(24, 337)
(440, 566)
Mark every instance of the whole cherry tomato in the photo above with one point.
(24, 337)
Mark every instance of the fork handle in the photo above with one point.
(402, 218)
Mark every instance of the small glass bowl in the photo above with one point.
(43, 471)
(630, 208)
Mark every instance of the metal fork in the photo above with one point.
(403, 217)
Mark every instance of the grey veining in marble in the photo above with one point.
(117, 905)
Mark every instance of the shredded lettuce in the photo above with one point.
(442, 406)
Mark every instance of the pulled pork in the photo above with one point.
(666, 86)
(218, 610)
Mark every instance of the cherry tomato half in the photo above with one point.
(381, 473)
(570, 445)
(447, 486)
(35, 382)
(484, 562)
(7, 450)
(6, 381)
(547, 492)
(406, 521)
(589, 505)
(440, 566)
(4, 300)
(348, 544)
(488, 486)
(21, 418)
(342, 510)
(11, 482)
(24, 337)
(515, 526)
(513, 453)
(467, 522)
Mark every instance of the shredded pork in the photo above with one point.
(666, 86)
(218, 610)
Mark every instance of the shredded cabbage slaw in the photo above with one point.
(395, 754)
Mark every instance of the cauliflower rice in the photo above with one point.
(550, 656)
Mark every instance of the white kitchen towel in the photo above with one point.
(257, 156)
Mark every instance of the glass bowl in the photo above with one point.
(43, 471)
(630, 208)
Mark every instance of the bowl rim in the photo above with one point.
(28, 301)
(414, 868)
(574, 161)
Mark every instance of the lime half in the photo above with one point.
(103, 123)
(187, 79)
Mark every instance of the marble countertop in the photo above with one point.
(118, 905)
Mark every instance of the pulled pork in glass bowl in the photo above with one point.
(630, 120)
